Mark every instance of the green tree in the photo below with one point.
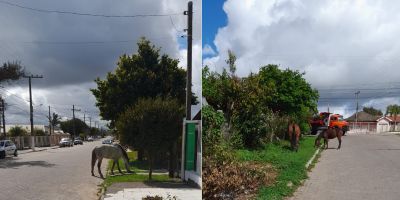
(17, 131)
(291, 94)
(80, 126)
(141, 75)
(222, 90)
(393, 110)
(11, 71)
(39, 132)
(54, 121)
(153, 125)
(372, 111)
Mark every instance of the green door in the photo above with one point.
(190, 146)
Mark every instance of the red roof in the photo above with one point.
(392, 118)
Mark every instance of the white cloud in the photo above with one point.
(69, 70)
(208, 50)
(353, 43)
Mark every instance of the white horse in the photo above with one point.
(113, 152)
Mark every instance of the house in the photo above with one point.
(365, 122)
(55, 130)
(388, 123)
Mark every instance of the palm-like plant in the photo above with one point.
(393, 110)
(55, 120)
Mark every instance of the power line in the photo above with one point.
(85, 14)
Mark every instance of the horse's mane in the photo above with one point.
(123, 152)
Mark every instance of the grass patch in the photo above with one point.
(135, 166)
(135, 178)
(290, 165)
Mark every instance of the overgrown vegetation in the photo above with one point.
(149, 75)
(290, 166)
(139, 167)
(152, 125)
(17, 131)
(251, 114)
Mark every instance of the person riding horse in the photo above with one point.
(327, 133)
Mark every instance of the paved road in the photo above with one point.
(62, 173)
(367, 167)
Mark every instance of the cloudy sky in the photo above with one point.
(343, 46)
(70, 51)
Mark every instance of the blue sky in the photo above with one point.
(214, 17)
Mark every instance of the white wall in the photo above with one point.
(383, 126)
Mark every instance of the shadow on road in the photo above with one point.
(10, 163)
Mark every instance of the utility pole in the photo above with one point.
(73, 119)
(90, 122)
(31, 107)
(84, 117)
(49, 122)
(357, 93)
(189, 13)
(3, 108)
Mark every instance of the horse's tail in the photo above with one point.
(93, 159)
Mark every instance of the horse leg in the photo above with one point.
(98, 167)
(326, 143)
(340, 142)
(119, 169)
(94, 158)
(93, 163)
(112, 168)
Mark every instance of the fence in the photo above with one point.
(362, 127)
(23, 142)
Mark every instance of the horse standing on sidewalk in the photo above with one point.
(294, 135)
(113, 152)
(327, 134)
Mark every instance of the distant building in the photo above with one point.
(388, 123)
(365, 122)
(55, 130)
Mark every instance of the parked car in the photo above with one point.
(90, 139)
(78, 141)
(107, 141)
(66, 142)
(7, 148)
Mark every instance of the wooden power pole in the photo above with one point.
(49, 122)
(189, 13)
(3, 108)
(31, 107)
(73, 119)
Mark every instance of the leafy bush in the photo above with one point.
(152, 125)
(17, 131)
(39, 132)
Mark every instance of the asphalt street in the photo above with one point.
(62, 173)
(367, 167)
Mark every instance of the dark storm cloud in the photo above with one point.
(70, 51)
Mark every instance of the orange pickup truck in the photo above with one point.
(334, 120)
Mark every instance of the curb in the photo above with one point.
(312, 158)
(31, 151)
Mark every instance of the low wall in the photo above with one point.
(24, 142)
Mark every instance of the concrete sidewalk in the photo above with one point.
(139, 190)
(37, 149)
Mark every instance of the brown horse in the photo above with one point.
(327, 134)
(294, 135)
